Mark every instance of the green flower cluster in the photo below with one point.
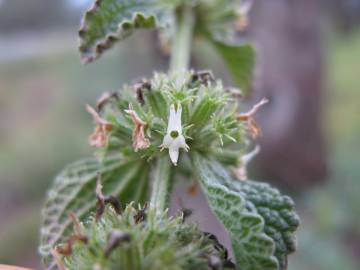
(140, 239)
(192, 112)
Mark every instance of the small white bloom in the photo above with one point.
(174, 140)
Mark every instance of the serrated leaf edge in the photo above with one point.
(110, 39)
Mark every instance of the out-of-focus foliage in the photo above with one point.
(240, 60)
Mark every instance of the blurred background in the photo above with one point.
(308, 65)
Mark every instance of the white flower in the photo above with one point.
(174, 140)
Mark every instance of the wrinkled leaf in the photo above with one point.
(240, 60)
(261, 221)
(109, 21)
(277, 210)
(74, 191)
(253, 249)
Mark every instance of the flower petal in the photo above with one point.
(174, 140)
(166, 142)
(174, 154)
(172, 119)
(139, 139)
(177, 120)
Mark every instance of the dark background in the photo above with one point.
(308, 65)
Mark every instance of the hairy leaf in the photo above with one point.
(240, 60)
(74, 191)
(253, 249)
(109, 21)
(260, 220)
(277, 210)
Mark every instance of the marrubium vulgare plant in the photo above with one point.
(110, 211)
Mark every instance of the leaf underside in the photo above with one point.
(260, 221)
(74, 192)
(109, 21)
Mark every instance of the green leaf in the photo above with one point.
(253, 249)
(74, 191)
(277, 210)
(240, 60)
(109, 21)
(261, 222)
(216, 18)
(216, 25)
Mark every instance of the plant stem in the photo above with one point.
(161, 184)
(181, 50)
(180, 58)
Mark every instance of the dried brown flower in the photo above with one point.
(105, 98)
(140, 216)
(77, 225)
(253, 127)
(67, 248)
(139, 89)
(138, 135)
(99, 138)
(102, 201)
(58, 260)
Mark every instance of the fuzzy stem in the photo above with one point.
(181, 50)
(161, 185)
(180, 58)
